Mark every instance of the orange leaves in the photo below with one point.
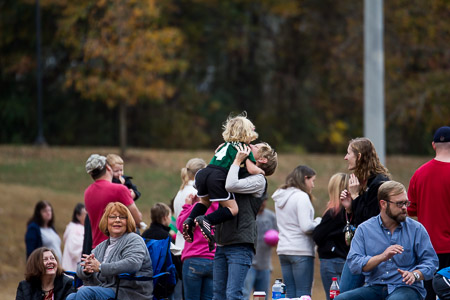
(125, 54)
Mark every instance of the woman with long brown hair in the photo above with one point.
(368, 173)
(295, 220)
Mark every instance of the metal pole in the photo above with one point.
(374, 75)
(40, 139)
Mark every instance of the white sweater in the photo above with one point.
(295, 220)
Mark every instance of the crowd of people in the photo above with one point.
(364, 236)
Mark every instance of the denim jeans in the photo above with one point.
(329, 268)
(298, 273)
(92, 293)
(256, 280)
(350, 281)
(379, 292)
(198, 278)
(231, 264)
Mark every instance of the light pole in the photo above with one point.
(40, 139)
(374, 75)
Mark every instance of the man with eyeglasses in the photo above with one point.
(429, 192)
(392, 251)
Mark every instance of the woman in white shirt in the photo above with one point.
(73, 239)
(186, 188)
(295, 220)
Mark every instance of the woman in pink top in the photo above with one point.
(197, 260)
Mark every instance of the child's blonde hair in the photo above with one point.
(188, 172)
(239, 129)
(114, 159)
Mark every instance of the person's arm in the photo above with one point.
(253, 184)
(374, 261)
(427, 260)
(304, 207)
(132, 253)
(32, 239)
(252, 168)
(356, 257)
(324, 229)
(409, 277)
(135, 194)
(137, 216)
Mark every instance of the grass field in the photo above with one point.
(56, 174)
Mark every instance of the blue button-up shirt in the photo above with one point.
(372, 238)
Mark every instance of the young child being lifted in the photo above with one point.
(210, 181)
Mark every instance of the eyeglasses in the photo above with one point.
(400, 204)
(112, 217)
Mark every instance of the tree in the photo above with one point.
(121, 53)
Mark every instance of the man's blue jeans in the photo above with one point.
(92, 293)
(380, 292)
(350, 281)
(198, 278)
(298, 273)
(231, 264)
(329, 268)
(257, 280)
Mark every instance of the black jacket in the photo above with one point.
(32, 290)
(129, 185)
(242, 228)
(158, 231)
(329, 235)
(366, 205)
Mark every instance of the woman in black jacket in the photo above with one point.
(329, 235)
(361, 198)
(44, 278)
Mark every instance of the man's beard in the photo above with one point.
(398, 218)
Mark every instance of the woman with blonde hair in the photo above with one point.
(295, 220)
(329, 235)
(187, 188)
(361, 197)
(123, 252)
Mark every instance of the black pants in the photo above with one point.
(444, 261)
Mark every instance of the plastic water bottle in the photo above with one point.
(334, 288)
(277, 289)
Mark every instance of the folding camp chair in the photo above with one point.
(162, 264)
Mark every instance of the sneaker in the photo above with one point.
(188, 230)
(206, 229)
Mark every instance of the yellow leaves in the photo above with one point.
(336, 135)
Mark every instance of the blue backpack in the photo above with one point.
(161, 258)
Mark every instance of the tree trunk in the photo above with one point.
(123, 127)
